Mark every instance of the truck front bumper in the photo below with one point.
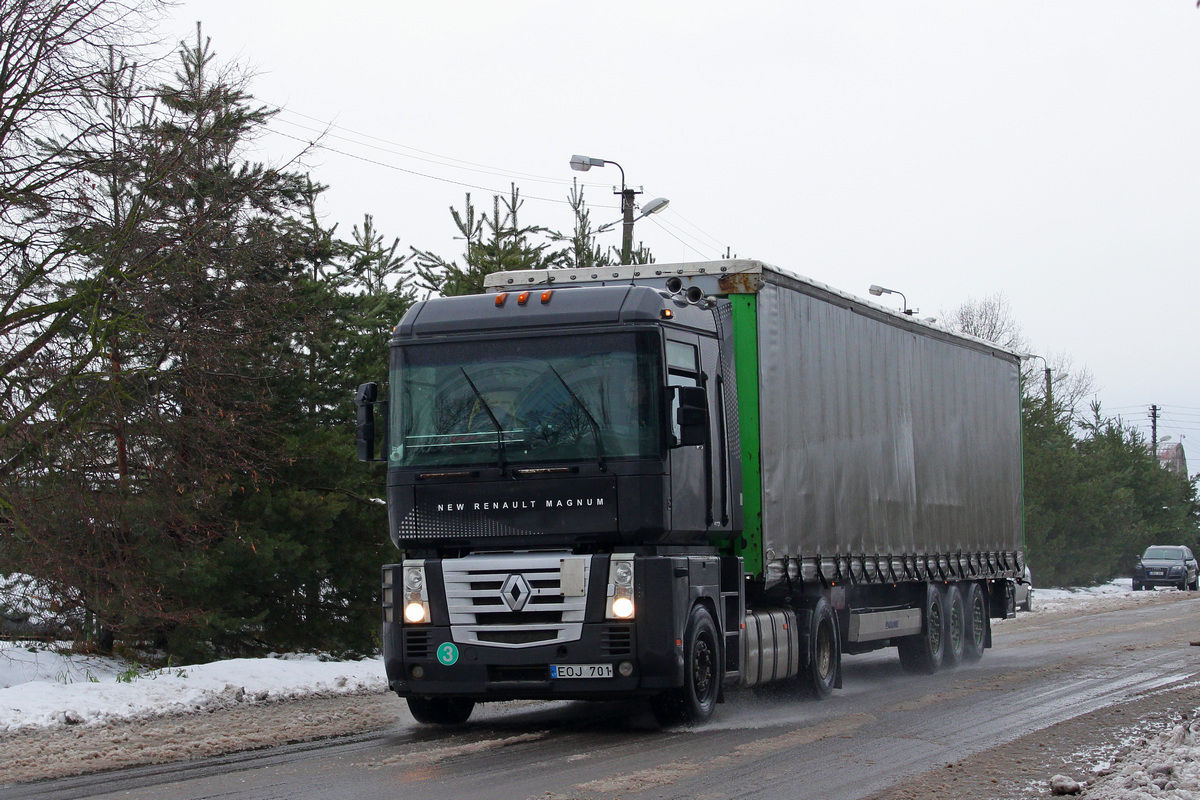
(425, 661)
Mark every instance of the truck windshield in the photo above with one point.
(526, 400)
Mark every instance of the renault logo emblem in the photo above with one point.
(515, 592)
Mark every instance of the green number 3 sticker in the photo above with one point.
(448, 654)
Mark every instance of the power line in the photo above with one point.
(395, 148)
(663, 224)
(386, 165)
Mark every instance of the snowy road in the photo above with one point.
(1107, 664)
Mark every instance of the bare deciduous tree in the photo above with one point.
(56, 61)
(991, 318)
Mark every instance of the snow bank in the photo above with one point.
(1166, 766)
(43, 688)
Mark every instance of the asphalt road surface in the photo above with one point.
(1055, 685)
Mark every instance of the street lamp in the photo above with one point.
(583, 164)
(1046, 364)
(877, 290)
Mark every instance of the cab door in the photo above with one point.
(691, 479)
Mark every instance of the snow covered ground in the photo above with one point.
(43, 686)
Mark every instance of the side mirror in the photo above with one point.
(691, 416)
(364, 433)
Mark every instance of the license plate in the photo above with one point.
(1157, 573)
(581, 671)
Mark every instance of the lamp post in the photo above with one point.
(878, 290)
(583, 164)
(1046, 364)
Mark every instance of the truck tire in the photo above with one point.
(922, 653)
(820, 676)
(975, 606)
(954, 616)
(693, 703)
(441, 710)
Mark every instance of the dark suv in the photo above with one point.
(1166, 566)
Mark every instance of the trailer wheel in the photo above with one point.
(922, 653)
(820, 677)
(693, 703)
(955, 616)
(441, 710)
(977, 624)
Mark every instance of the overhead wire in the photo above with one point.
(386, 165)
(437, 159)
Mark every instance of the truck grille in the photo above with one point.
(516, 600)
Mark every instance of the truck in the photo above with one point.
(671, 481)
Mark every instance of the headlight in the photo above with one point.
(620, 587)
(416, 596)
(414, 578)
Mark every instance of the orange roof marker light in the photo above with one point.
(522, 298)
(500, 298)
(546, 296)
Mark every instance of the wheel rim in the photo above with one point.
(702, 669)
(978, 621)
(935, 627)
(956, 626)
(824, 654)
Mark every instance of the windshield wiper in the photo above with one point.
(495, 422)
(591, 420)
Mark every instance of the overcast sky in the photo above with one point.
(951, 150)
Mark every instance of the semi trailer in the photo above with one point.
(670, 481)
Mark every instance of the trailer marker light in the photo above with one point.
(522, 298)
(546, 296)
(500, 298)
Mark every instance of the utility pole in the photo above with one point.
(627, 195)
(1154, 430)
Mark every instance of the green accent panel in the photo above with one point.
(745, 353)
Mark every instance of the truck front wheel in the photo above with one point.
(441, 710)
(922, 653)
(693, 703)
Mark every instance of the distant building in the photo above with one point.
(1170, 455)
